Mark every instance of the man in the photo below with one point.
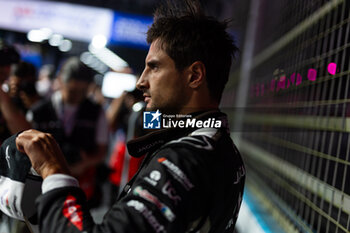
(78, 124)
(191, 179)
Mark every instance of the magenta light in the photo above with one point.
(262, 89)
(292, 78)
(332, 67)
(281, 83)
(298, 79)
(312, 74)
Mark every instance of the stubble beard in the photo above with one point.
(167, 107)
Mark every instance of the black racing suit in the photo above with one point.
(191, 180)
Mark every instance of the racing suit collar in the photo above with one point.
(152, 141)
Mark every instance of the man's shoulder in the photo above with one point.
(206, 139)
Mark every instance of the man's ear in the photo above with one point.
(197, 74)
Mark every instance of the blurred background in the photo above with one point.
(287, 97)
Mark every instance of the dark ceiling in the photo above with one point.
(144, 7)
(216, 8)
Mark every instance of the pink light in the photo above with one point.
(312, 74)
(262, 89)
(292, 78)
(332, 67)
(281, 83)
(298, 77)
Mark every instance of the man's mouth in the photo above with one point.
(147, 97)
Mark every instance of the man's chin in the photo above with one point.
(150, 108)
(167, 110)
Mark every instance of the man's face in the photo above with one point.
(163, 85)
(74, 91)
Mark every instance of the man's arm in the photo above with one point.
(166, 196)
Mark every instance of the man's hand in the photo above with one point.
(43, 151)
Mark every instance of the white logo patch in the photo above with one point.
(8, 156)
(153, 178)
(155, 175)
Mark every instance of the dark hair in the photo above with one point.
(74, 69)
(188, 35)
(8, 54)
(24, 70)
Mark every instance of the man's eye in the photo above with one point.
(153, 66)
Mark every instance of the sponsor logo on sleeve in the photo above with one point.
(3, 197)
(155, 175)
(7, 157)
(14, 204)
(8, 205)
(166, 211)
(73, 212)
(169, 190)
(5, 200)
(153, 178)
(140, 207)
(177, 173)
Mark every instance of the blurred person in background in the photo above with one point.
(77, 123)
(191, 179)
(95, 91)
(46, 84)
(12, 119)
(22, 88)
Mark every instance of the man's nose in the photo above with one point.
(142, 83)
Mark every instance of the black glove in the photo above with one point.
(19, 183)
